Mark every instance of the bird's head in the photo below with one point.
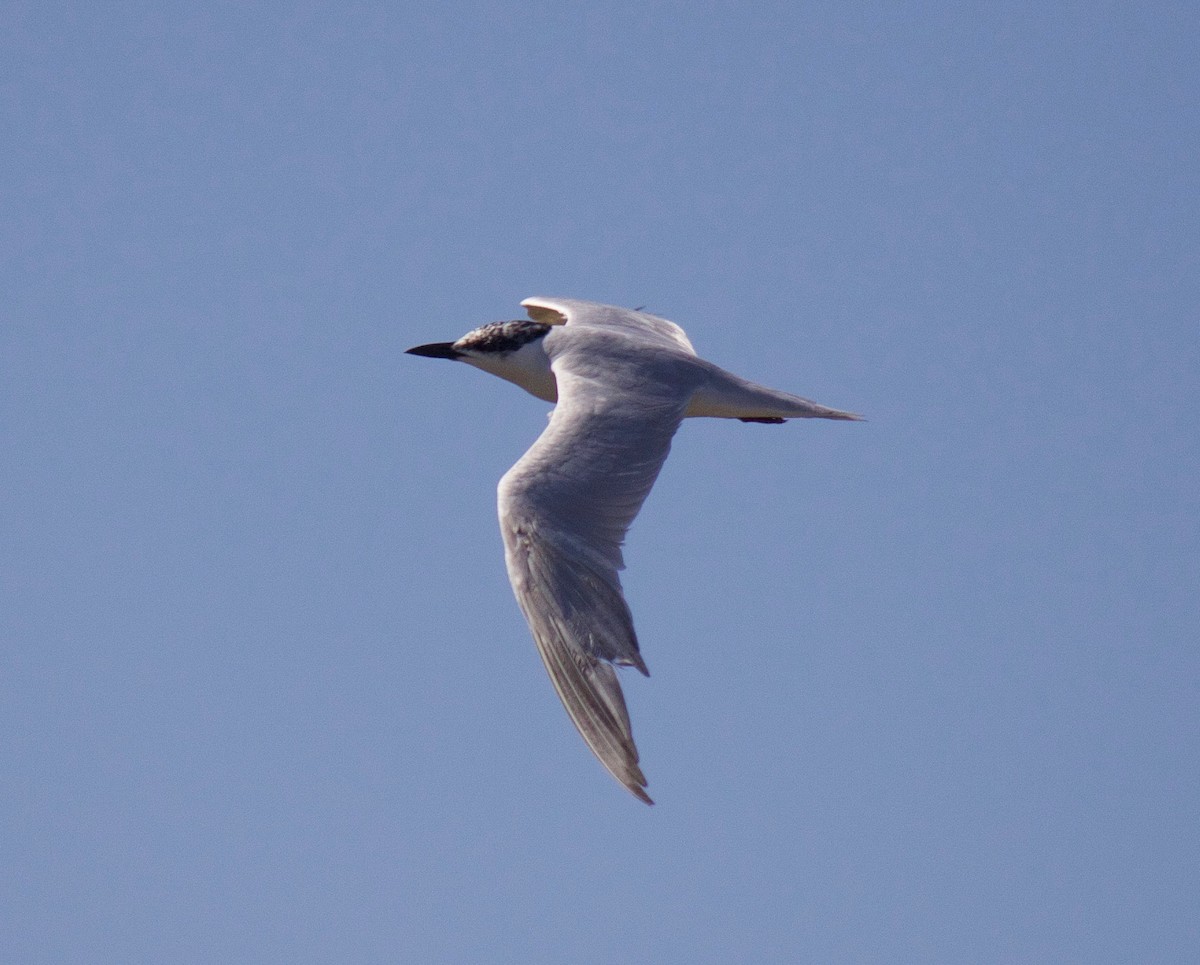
(510, 350)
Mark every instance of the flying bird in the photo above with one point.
(622, 381)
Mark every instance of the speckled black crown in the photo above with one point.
(502, 337)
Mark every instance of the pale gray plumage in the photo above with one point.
(623, 382)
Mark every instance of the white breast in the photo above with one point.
(528, 367)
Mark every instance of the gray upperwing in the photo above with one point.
(564, 510)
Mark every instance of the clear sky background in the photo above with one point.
(924, 688)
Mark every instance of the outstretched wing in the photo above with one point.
(564, 510)
(649, 329)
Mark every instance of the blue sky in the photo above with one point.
(924, 688)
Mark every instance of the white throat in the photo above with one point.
(527, 366)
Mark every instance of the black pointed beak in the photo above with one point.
(435, 350)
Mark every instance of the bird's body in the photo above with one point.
(622, 381)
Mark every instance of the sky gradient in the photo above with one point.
(923, 688)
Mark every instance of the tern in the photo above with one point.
(622, 381)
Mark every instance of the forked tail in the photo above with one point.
(724, 395)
